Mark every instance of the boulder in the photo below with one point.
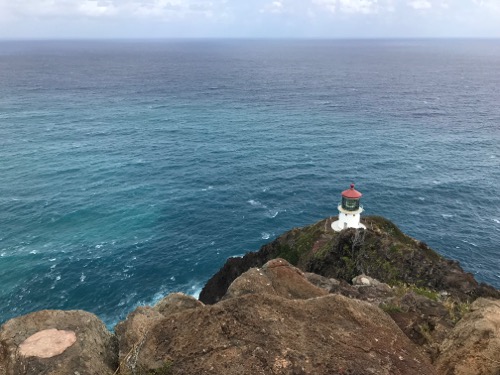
(277, 277)
(364, 280)
(473, 347)
(133, 332)
(57, 342)
(268, 334)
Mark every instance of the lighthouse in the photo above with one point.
(349, 210)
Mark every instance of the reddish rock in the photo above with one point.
(47, 343)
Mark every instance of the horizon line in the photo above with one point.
(245, 38)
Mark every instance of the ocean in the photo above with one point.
(132, 169)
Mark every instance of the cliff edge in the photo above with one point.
(313, 301)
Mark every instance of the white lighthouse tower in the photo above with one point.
(349, 210)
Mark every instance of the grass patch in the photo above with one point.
(456, 309)
(290, 254)
(402, 289)
(390, 308)
(431, 294)
(165, 369)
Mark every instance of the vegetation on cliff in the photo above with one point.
(381, 251)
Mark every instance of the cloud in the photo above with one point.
(490, 5)
(355, 6)
(323, 18)
(273, 7)
(109, 8)
(329, 5)
(420, 4)
(97, 8)
(358, 6)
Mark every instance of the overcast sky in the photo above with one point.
(248, 18)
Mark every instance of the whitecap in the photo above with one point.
(447, 216)
(3, 254)
(265, 235)
(58, 278)
(34, 252)
(421, 198)
(470, 243)
(272, 214)
(82, 277)
(210, 187)
(98, 246)
(435, 182)
(255, 203)
(52, 259)
(172, 278)
(496, 221)
(195, 291)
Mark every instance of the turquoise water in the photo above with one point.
(134, 169)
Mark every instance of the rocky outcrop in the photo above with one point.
(381, 251)
(272, 320)
(277, 277)
(57, 343)
(424, 316)
(473, 347)
(133, 333)
(217, 286)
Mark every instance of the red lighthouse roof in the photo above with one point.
(351, 193)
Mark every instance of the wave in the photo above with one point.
(469, 243)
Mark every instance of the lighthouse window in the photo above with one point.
(350, 204)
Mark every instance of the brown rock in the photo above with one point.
(57, 342)
(133, 332)
(473, 347)
(176, 302)
(268, 334)
(277, 277)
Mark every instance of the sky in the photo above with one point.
(89, 19)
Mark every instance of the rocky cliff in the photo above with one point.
(313, 301)
(381, 251)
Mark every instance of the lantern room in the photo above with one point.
(350, 199)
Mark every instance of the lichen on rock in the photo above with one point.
(47, 343)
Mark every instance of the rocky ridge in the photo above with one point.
(313, 301)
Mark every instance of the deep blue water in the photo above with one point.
(133, 169)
